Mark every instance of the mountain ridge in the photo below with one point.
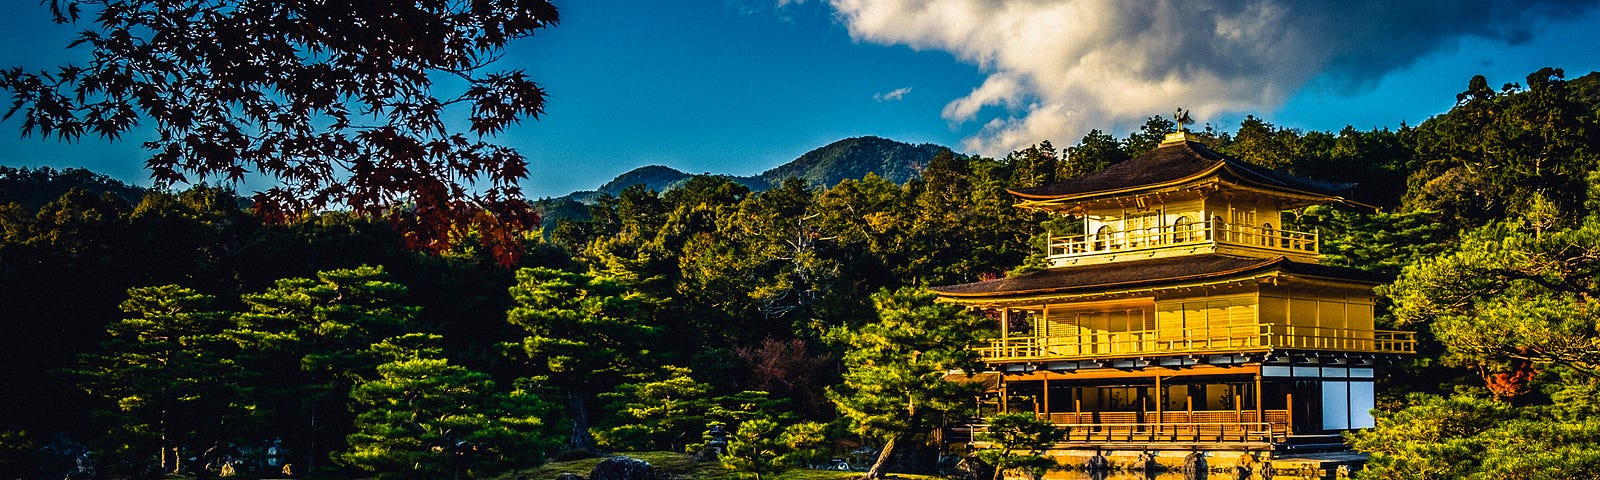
(825, 166)
(848, 158)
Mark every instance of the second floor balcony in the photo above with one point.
(1179, 239)
(1091, 345)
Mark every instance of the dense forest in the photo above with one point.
(145, 331)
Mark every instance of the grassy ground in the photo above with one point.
(681, 466)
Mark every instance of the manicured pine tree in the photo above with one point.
(169, 370)
(422, 417)
(583, 330)
(1018, 442)
(312, 335)
(755, 449)
(658, 411)
(894, 382)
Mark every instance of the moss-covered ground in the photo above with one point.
(681, 466)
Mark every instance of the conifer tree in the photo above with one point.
(583, 330)
(423, 417)
(657, 411)
(894, 381)
(312, 335)
(1018, 442)
(169, 370)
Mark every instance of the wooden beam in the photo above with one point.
(1151, 372)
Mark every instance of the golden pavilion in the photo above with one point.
(1185, 316)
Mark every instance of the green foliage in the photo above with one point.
(583, 331)
(1056, 226)
(1495, 152)
(754, 449)
(1511, 299)
(1096, 151)
(1381, 242)
(1435, 438)
(806, 443)
(35, 187)
(1509, 293)
(762, 447)
(422, 417)
(894, 381)
(1018, 442)
(170, 371)
(1471, 437)
(657, 411)
(581, 327)
(310, 336)
(1149, 136)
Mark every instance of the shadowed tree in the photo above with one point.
(312, 336)
(582, 331)
(170, 371)
(342, 103)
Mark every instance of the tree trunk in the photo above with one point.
(581, 440)
(876, 471)
(169, 454)
(311, 451)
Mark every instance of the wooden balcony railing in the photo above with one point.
(1173, 427)
(1182, 235)
(1104, 344)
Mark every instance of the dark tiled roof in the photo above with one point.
(1143, 273)
(1174, 161)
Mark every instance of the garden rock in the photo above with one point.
(623, 468)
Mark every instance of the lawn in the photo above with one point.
(678, 465)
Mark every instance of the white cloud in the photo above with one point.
(892, 95)
(1056, 68)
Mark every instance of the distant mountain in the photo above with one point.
(851, 158)
(854, 158)
(653, 177)
(34, 187)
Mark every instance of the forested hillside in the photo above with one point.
(152, 329)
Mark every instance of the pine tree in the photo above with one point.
(312, 336)
(169, 370)
(657, 411)
(894, 383)
(1018, 442)
(583, 330)
(422, 417)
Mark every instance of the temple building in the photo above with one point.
(1185, 316)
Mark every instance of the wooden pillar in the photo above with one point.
(1005, 397)
(1005, 324)
(1238, 409)
(1077, 404)
(1046, 403)
(1260, 413)
(1288, 404)
(1160, 400)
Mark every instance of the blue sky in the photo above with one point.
(731, 86)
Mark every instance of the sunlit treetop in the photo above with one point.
(355, 105)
